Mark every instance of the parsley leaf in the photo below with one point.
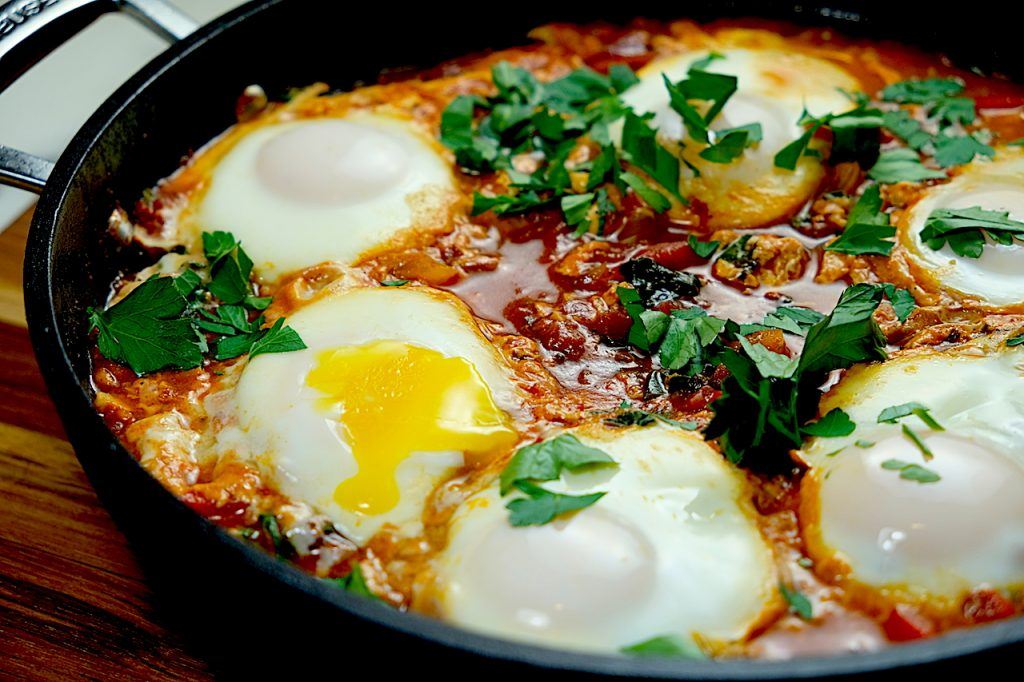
(688, 333)
(769, 363)
(848, 336)
(550, 121)
(902, 301)
(730, 143)
(965, 229)
(355, 582)
(546, 460)
(835, 424)
(641, 148)
(282, 545)
(767, 398)
(960, 149)
(911, 472)
(867, 227)
(902, 165)
(855, 137)
(542, 506)
(798, 603)
(162, 323)
(894, 413)
(702, 249)
(146, 329)
(792, 319)
(903, 125)
(230, 267)
(864, 239)
(921, 91)
(666, 645)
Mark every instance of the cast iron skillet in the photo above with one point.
(243, 608)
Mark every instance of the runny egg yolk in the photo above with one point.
(396, 399)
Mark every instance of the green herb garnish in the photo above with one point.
(902, 165)
(910, 471)
(666, 645)
(163, 322)
(894, 413)
(798, 603)
(355, 582)
(835, 424)
(867, 228)
(965, 229)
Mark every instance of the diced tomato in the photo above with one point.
(905, 624)
(984, 606)
(696, 401)
(999, 101)
(228, 513)
(675, 255)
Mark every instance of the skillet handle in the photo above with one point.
(32, 29)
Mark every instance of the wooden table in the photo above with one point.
(73, 602)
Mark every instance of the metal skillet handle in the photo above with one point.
(31, 29)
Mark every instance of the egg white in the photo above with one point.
(997, 276)
(304, 452)
(938, 539)
(671, 549)
(298, 193)
(773, 89)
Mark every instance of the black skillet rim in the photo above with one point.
(77, 412)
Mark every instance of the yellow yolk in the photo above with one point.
(397, 399)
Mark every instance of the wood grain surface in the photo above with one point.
(73, 602)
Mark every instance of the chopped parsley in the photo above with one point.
(946, 112)
(965, 229)
(702, 249)
(282, 545)
(792, 319)
(545, 461)
(902, 165)
(147, 330)
(902, 301)
(925, 91)
(768, 399)
(665, 645)
(542, 506)
(835, 424)
(894, 413)
(916, 440)
(163, 323)
(548, 121)
(799, 604)
(956, 150)
(632, 416)
(867, 228)
(855, 137)
(910, 471)
(355, 582)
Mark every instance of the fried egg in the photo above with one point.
(672, 548)
(297, 193)
(941, 538)
(396, 389)
(996, 277)
(773, 89)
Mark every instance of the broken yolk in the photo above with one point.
(397, 399)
